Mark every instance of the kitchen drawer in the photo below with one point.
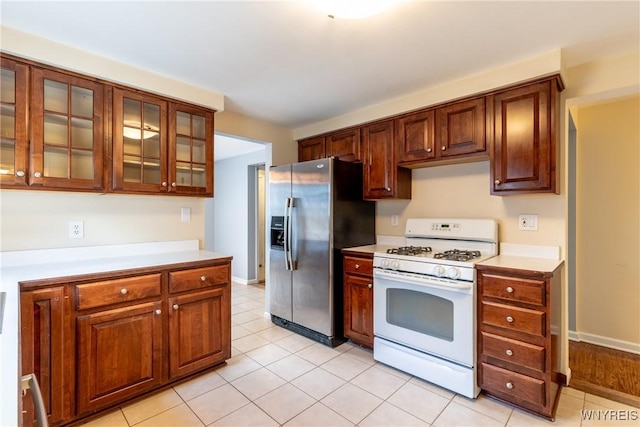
(515, 386)
(362, 266)
(514, 318)
(98, 294)
(513, 351)
(513, 289)
(198, 278)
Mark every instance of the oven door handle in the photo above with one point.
(463, 286)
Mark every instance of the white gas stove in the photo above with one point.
(424, 300)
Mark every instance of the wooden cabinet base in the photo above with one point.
(105, 339)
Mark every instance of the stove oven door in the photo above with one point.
(426, 314)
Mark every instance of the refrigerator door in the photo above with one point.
(280, 277)
(311, 249)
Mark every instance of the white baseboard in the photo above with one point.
(244, 281)
(616, 344)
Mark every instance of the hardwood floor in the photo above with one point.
(605, 372)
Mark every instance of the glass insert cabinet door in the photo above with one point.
(191, 150)
(66, 130)
(13, 122)
(139, 142)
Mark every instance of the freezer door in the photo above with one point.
(279, 277)
(311, 249)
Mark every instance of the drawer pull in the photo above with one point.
(510, 289)
(509, 352)
(158, 311)
(176, 306)
(509, 319)
(357, 266)
(370, 285)
(509, 385)
(123, 291)
(203, 278)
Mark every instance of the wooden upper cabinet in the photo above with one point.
(190, 150)
(524, 153)
(461, 128)
(14, 142)
(382, 177)
(344, 145)
(415, 136)
(449, 132)
(67, 131)
(139, 142)
(311, 149)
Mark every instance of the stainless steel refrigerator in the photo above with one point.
(316, 209)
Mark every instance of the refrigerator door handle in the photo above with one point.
(288, 257)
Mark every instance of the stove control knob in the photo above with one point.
(395, 264)
(439, 270)
(385, 263)
(453, 273)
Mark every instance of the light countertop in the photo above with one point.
(21, 266)
(526, 263)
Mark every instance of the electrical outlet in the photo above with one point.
(76, 229)
(185, 214)
(394, 220)
(528, 222)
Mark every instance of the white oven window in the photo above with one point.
(420, 312)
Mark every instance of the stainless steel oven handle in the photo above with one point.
(30, 382)
(462, 286)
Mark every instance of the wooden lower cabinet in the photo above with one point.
(518, 345)
(199, 331)
(95, 342)
(358, 300)
(119, 354)
(45, 351)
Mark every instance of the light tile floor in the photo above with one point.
(276, 377)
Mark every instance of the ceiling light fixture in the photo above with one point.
(354, 9)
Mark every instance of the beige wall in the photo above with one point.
(39, 219)
(283, 148)
(608, 220)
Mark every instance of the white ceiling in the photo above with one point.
(226, 147)
(289, 64)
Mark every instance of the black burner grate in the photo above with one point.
(409, 250)
(457, 255)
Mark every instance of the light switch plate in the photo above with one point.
(528, 222)
(185, 214)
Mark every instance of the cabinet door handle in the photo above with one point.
(509, 385)
(173, 184)
(388, 188)
(37, 174)
(176, 306)
(509, 289)
(509, 352)
(429, 150)
(443, 148)
(497, 182)
(20, 174)
(357, 266)
(164, 183)
(203, 278)
(158, 311)
(370, 285)
(509, 319)
(123, 291)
